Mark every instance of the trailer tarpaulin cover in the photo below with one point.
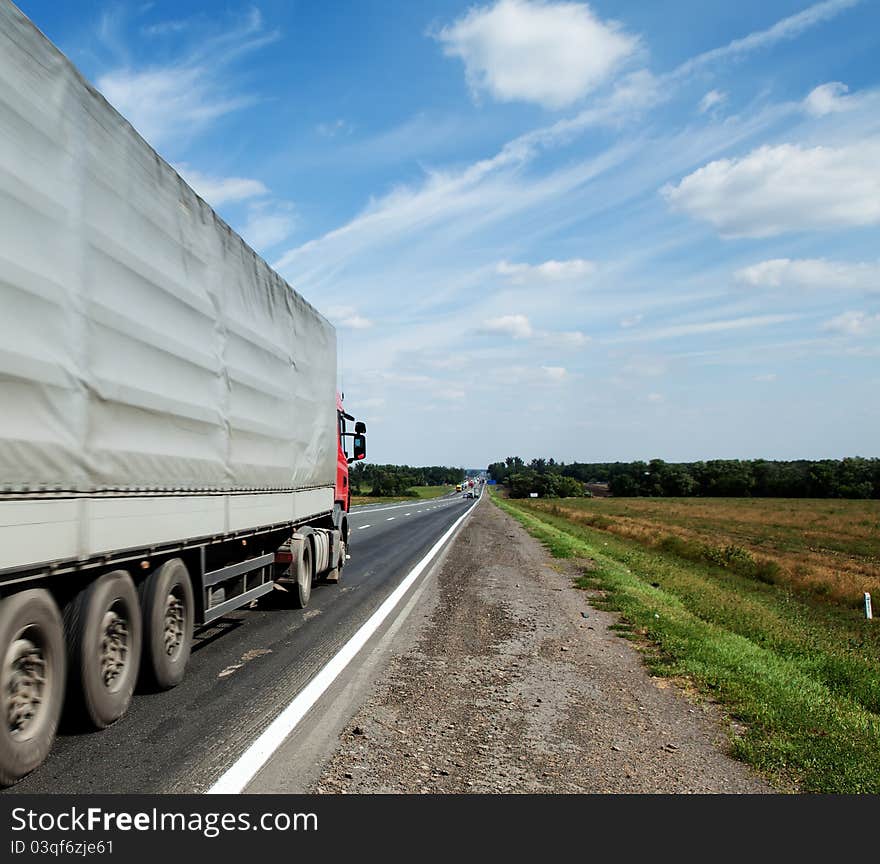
(143, 344)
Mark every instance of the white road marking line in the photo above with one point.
(407, 514)
(246, 766)
(361, 527)
(390, 518)
(371, 508)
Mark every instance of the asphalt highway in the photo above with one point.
(244, 670)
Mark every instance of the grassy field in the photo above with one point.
(829, 548)
(797, 668)
(421, 493)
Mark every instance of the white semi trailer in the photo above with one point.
(171, 440)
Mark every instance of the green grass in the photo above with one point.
(425, 492)
(420, 493)
(802, 676)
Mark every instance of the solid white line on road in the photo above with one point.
(361, 527)
(246, 766)
(390, 518)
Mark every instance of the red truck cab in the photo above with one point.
(359, 451)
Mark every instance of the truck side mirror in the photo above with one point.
(360, 446)
(360, 428)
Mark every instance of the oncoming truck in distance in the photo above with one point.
(172, 445)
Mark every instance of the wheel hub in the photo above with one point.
(25, 669)
(114, 648)
(174, 618)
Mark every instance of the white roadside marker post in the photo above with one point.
(868, 613)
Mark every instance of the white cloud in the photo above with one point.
(810, 273)
(766, 377)
(268, 224)
(348, 316)
(555, 373)
(517, 326)
(711, 100)
(218, 191)
(828, 98)
(784, 188)
(853, 323)
(631, 321)
(655, 397)
(568, 338)
(549, 271)
(549, 53)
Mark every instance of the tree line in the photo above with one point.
(399, 480)
(852, 477)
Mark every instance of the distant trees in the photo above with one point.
(543, 476)
(397, 480)
(853, 477)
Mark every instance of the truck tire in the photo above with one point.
(340, 523)
(168, 607)
(103, 628)
(334, 574)
(31, 680)
(303, 561)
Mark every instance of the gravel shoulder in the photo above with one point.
(513, 683)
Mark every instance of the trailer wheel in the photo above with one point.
(169, 610)
(304, 561)
(103, 628)
(31, 680)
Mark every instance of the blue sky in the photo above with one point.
(599, 231)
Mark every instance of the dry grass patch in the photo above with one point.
(827, 548)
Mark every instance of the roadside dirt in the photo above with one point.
(516, 684)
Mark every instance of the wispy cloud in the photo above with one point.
(711, 101)
(555, 373)
(854, 323)
(334, 128)
(517, 326)
(783, 30)
(184, 96)
(702, 328)
(829, 98)
(221, 190)
(548, 271)
(267, 224)
(348, 317)
(167, 28)
(812, 274)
